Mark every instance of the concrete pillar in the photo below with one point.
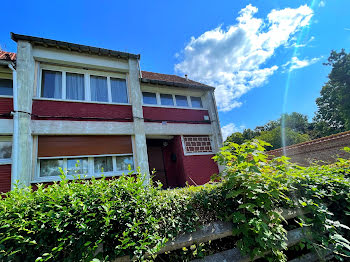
(141, 160)
(215, 122)
(22, 167)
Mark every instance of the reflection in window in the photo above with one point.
(77, 166)
(103, 164)
(98, 88)
(166, 100)
(6, 87)
(5, 149)
(119, 90)
(123, 163)
(75, 89)
(50, 167)
(51, 84)
(196, 102)
(181, 100)
(149, 98)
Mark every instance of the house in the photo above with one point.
(92, 111)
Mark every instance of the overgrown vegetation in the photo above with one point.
(103, 219)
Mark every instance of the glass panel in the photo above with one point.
(103, 164)
(75, 86)
(6, 87)
(196, 102)
(77, 166)
(51, 86)
(119, 90)
(5, 149)
(181, 101)
(50, 167)
(123, 163)
(149, 98)
(98, 87)
(166, 100)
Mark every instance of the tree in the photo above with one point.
(333, 114)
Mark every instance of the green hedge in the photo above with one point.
(102, 219)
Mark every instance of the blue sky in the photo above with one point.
(260, 48)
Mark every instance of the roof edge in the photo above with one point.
(73, 47)
(176, 84)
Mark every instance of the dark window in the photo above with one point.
(181, 101)
(51, 86)
(166, 100)
(196, 102)
(149, 98)
(6, 88)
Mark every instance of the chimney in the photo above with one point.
(186, 77)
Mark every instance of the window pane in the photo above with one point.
(181, 101)
(51, 86)
(50, 167)
(123, 163)
(5, 149)
(166, 100)
(149, 98)
(98, 87)
(6, 87)
(103, 164)
(196, 102)
(75, 86)
(119, 90)
(77, 166)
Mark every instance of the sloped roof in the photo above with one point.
(171, 80)
(9, 56)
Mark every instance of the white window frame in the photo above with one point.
(6, 161)
(90, 173)
(7, 74)
(199, 153)
(87, 74)
(159, 104)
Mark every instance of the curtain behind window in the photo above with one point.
(51, 84)
(75, 86)
(119, 90)
(98, 87)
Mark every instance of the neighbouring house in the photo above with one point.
(88, 109)
(325, 149)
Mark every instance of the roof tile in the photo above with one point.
(9, 56)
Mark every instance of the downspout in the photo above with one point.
(15, 142)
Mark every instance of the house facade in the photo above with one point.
(94, 112)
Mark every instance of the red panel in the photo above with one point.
(196, 169)
(5, 178)
(63, 110)
(6, 106)
(174, 115)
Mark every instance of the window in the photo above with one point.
(149, 98)
(181, 101)
(5, 150)
(166, 100)
(75, 89)
(50, 167)
(77, 166)
(51, 84)
(103, 164)
(119, 90)
(89, 166)
(98, 88)
(196, 102)
(6, 88)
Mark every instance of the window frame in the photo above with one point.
(159, 103)
(6, 161)
(87, 91)
(197, 153)
(90, 174)
(7, 76)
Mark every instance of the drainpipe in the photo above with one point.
(15, 144)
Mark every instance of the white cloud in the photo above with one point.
(322, 4)
(295, 63)
(233, 59)
(230, 128)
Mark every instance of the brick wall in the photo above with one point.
(5, 178)
(323, 149)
